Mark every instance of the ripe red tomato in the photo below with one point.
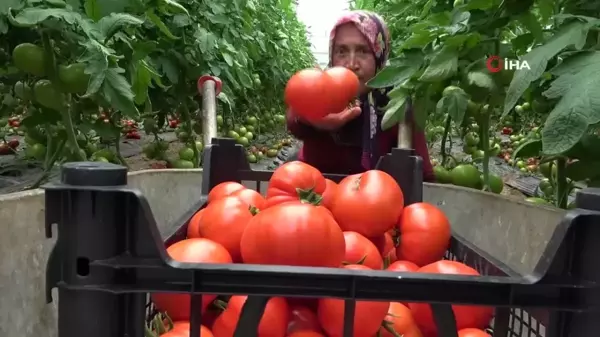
(295, 181)
(330, 188)
(467, 316)
(386, 247)
(359, 250)
(251, 197)
(224, 221)
(224, 189)
(194, 224)
(197, 250)
(273, 323)
(182, 329)
(424, 234)
(367, 318)
(403, 266)
(470, 332)
(303, 319)
(369, 203)
(346, 85)
(293, 234)
(400, 319)
(308, 94)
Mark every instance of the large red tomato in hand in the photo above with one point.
(467, 316)
(224, 221)
(368, 315)
(274, 321)
(199, 250)
(293, 234)
(224, 189)
(369, 203)
(295, 181)
(308, 94)
(400, 319)
(345, 86)
(424, 234)
(359, 250)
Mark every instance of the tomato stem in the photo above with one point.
(562, 188)
(253, 210)
(445, 137)
(185, 112)
(50, 65)
(484, 124)
(388, 326)
(309, 196)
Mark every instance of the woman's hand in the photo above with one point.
(333, 122)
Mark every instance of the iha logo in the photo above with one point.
(495, 63)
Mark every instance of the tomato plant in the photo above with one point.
(82, 78)
(506, 77)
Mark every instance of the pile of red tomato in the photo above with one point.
(307, 220)
(314, 93)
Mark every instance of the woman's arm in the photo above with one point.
(300, 129)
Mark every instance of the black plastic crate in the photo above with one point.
(109, 255)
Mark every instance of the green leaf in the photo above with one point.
(395, 111)
(478, 4)
(443, 66)
(174, 7)
(34, 16)
(92, 9)
(161, 25)
(454, 104)
(562, 130)
(141, 80)
(531, 148)
(391, 75)
(571, 34)
(578, 107)
(207, 41)
(118, 93)
(109, 25)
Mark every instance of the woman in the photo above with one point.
(352, 141)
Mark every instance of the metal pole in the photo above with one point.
(209, 112)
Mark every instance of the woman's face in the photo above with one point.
(351, 50)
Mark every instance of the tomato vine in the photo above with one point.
(82, 75)
(441, 51)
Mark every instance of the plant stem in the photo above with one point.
(484, 125)
(50, 165)
(562, 188)
(50, 64)
(444, 137)
(188, 126)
